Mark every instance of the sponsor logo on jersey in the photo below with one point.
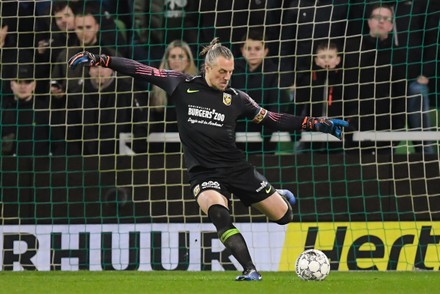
(264, 185)
(227, 98)
(205, 116)
(201, 112)
(191, 91)
(211, 185)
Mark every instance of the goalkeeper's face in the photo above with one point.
(219, 73)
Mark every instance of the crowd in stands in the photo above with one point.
(374, 63)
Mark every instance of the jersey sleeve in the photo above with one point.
(168, 80)
(274, 120)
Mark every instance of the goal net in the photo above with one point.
(92, 170)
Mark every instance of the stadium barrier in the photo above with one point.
(255, 137)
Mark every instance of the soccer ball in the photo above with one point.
(312, 265)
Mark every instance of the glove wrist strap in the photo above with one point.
(104, 60)
(309, 123)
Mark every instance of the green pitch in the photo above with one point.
(215, 282)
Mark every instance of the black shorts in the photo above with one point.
(244, 182)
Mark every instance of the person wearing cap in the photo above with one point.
(25, 118)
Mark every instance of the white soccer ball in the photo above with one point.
(312, 265)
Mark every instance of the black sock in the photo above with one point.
(230, 236)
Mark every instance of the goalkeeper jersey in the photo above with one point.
(206, 116)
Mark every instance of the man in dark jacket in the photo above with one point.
(409, 54)
(432, 50)
(102, 112)
(258, 76)
(303, 23)
(374, 89)
(25, 127)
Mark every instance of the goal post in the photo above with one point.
(122, 202)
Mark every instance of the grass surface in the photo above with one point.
(215, 282)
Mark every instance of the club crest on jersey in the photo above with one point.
(227, 98)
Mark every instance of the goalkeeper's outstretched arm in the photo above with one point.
(168, 80)
(288, 122)
(165, 79)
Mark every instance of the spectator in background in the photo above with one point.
(17, 19)
(357, 15)
(178, 57)
(374, 89)
(159, 22)
(4, 60)
(326, 81)
(106, 114)
(87, 30)
(303, 23)
(25, 127)
(258, 76)
(3, 35)
(432, 52)
(229, 20)
(121, 11)
(54, 39)
(20, 17)
(112, 30)
(325, 91)
(409, 18)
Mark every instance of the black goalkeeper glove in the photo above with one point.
(88, 59)
(325, 125)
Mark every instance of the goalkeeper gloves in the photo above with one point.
(325, 125)
(88, 59)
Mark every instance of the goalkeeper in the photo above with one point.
(207, 113)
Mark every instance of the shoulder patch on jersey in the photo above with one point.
(227, 99)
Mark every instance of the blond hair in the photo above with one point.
(214, 50)
(158, 98)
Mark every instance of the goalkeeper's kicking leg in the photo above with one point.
(276, 207)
